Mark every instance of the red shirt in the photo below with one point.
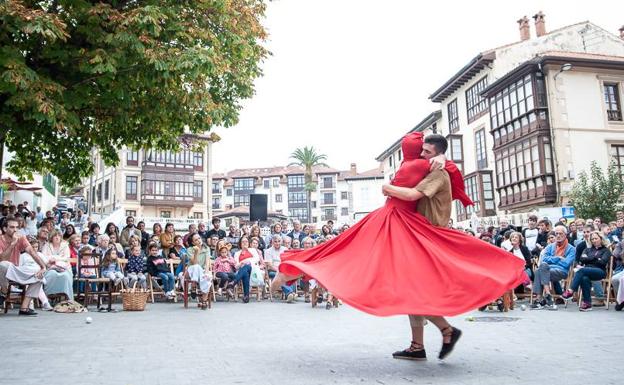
(20, 246)
(245, 254)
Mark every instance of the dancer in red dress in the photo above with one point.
(394, 261)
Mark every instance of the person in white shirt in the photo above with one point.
(272, 259)
(530, 233)
(31, 224)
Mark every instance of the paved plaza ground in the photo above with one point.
(276, 343)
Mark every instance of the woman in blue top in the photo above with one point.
(594, 262)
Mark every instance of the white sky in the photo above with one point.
(350, 77)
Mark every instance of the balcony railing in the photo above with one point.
(328, 202)
(326, 186)
(614, 115)
(159, 165)
(168, 199)
(331, 217)
(217, 191)
(216, 206)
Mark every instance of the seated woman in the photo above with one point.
(113, 241)
(198, 269)
(102, 246)
(87, 259)
(325, 231)
(74, 251)
(179, 252)
(593, 267)
(244, 258)
(255, 232)
(59, 277)
(521, 251)
(94, 232)
(69, 231)
(617, 280)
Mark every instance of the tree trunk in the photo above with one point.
(1, 155)
(309, 198)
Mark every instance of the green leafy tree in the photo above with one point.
(598, 194)
(77, 75)
(308, 158)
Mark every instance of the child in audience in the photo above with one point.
(224, 269)
(157, 266)
(110, 267)
(134, 270)
(87, 259)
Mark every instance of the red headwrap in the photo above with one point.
(458, 188)
(412, 148)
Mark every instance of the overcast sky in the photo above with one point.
(350, 77)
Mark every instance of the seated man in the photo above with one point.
(555, 265)
(11, 246)
(272, 259)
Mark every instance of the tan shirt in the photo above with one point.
(436, 204)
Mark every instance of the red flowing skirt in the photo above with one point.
(394, 261)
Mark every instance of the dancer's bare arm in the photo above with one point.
(403, 193)
(427, 187)
(437, 162)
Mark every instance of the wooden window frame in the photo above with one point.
(481, 149)
(132, 158)
(475, 188)
(459, 162)
(453, 116)
(612, 99)
(476, 105)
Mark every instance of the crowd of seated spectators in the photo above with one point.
(580, 252)
(563, 262)
(129, 256)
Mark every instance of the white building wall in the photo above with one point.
(366, 196)
(581, 130)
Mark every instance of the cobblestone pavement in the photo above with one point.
(276, 343)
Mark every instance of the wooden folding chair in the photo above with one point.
(606, 286)
(15, 296)
(104, 286)
(566, 284)
(192, 285)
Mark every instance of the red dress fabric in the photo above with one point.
(393, 261)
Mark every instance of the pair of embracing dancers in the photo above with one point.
(402, 259)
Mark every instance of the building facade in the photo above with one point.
(524, 119)
(42, 190)
(390, 159)
(154, 183)
(338, 195)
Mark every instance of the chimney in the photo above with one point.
(621, 32)
(525, 33)
(540, 24)
(353, 169)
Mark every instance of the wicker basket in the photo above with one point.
(134, 299)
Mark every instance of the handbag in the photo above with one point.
(257, 276)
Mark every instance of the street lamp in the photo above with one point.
(564, 67)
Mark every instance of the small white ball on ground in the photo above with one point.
(89, 320)
(523, 307)
(470, 319)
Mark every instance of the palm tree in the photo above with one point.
(308, 157)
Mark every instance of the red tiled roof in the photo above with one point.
(262, 172)
(370, 174)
